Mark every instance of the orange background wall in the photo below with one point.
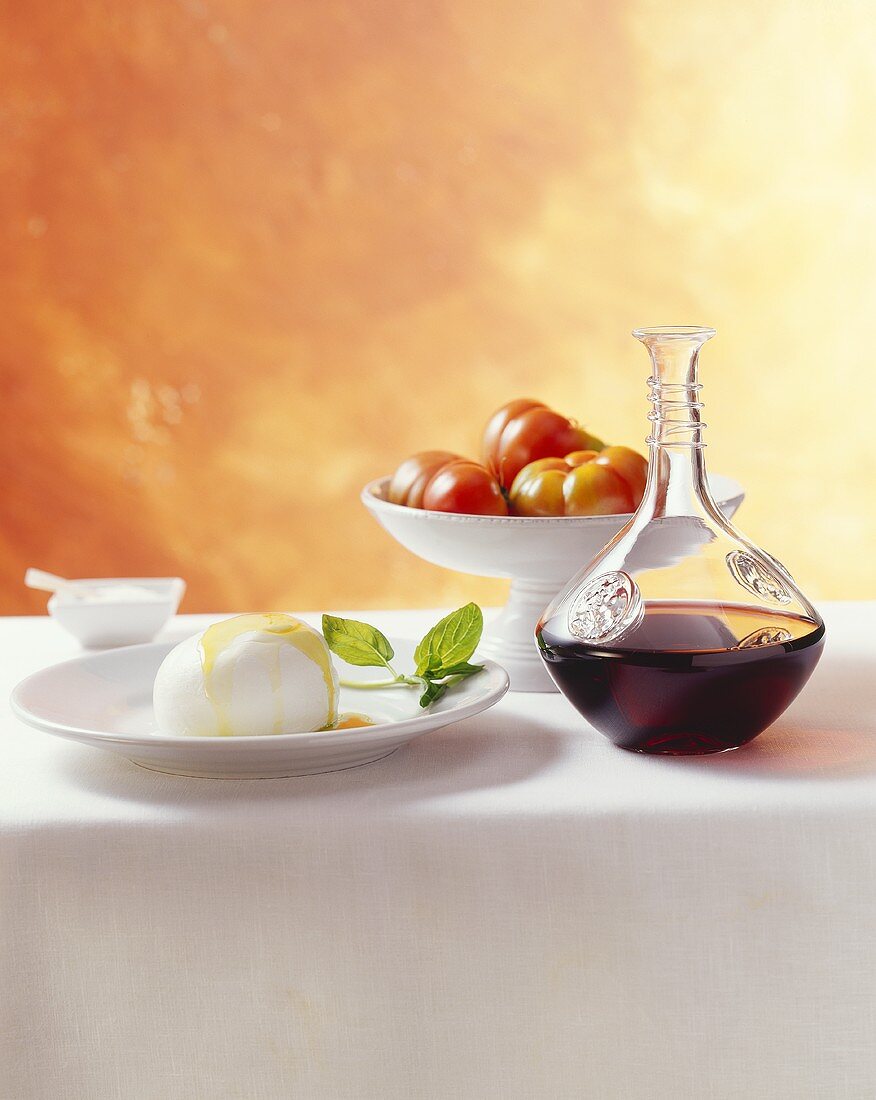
(256, 253)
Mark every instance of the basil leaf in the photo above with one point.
(356, 643)
(462, 669)
(432, 693)
(451, 641)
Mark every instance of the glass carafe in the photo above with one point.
(681, 636)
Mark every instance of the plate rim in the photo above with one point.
(420, 723)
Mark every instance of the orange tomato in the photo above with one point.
(594, 490)
(578, 458)
(583, 483)
(631, 466)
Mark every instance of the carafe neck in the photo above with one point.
(677, 483)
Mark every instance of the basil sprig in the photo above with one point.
(442, 656)
(356, 643)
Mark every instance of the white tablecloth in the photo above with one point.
(506, 908)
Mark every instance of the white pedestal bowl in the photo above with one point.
(538, 555)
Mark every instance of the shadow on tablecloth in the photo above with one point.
(829, 732)
(498, 750)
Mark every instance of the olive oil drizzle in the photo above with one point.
(218, 637)
(351, 721)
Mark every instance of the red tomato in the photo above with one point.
(411, 478)
(497, 424)
(466, 487)
(525, 430)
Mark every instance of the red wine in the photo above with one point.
(689, 678)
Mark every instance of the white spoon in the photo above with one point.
(45, 582)
(108, 591)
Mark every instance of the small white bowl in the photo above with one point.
(539, 555)
(99, 621)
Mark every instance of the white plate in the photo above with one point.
(105, 700)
